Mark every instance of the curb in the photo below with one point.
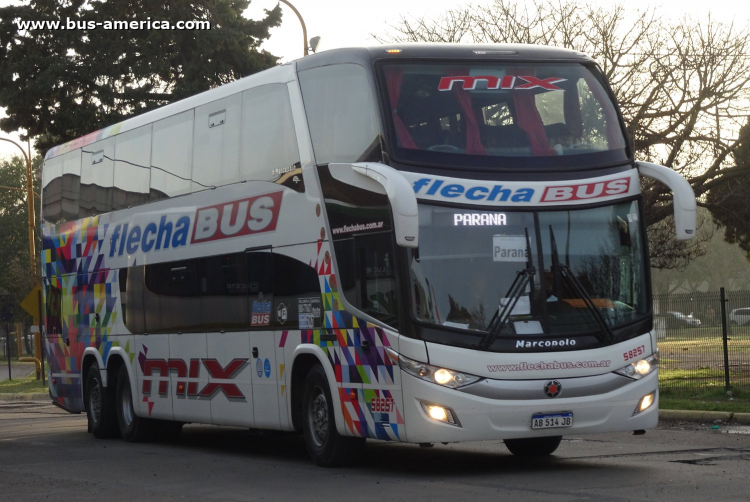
(703, 416)
(38, 396)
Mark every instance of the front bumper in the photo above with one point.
(483, 418)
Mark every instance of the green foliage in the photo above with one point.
(61, 84)
(16, 279)
(729, 202)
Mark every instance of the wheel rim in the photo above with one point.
(317, 416)
(95, 400)
(127, 405)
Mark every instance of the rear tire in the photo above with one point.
(533, 447)
(134, 429)
(324, 444)
(100, 406)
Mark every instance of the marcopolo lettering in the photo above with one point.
(435, 187)
(533, 344)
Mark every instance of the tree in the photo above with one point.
(683, 88)
(729, 202)
(16, 280)
(61, 84)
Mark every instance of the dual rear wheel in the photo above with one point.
(111, 413)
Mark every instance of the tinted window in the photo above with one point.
(367, 275)
(97, 178)
(269, 141)
(223, 290)
(296, 289)
(501, 115)
(172, 297)
(239, 291)
(62, 185)
(172, 156)
(340, 113)
(132, 174)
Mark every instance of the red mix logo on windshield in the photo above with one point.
(469, 83)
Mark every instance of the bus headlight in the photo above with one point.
(640, 368)
(441, 376)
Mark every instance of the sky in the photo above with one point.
(346, 23)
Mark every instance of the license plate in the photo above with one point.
(551, 420)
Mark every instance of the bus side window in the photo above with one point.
(62, 184)
(269, 140)
(341, 114)
(367, 275)
(172, 297)
(260, 289)
(223, 293)
(97, 178)
(296, 294)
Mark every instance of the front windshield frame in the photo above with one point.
(493, 163)
(457, 335)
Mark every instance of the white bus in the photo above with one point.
(417, 243)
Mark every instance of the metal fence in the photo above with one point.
(701, 346)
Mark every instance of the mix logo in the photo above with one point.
(469, 83)
(190, 388)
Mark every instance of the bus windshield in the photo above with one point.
(582, 266)
(495, 115)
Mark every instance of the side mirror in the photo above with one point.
(682, 194)
(380, 178)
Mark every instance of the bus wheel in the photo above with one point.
(133, 428)
(100, 405)
(324, 444)
(533, 447)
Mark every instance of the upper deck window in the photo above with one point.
(502, 115)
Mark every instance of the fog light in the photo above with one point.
(440, 413)
(437, 413)
(645, 402)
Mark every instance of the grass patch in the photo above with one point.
(715, 399)
(27, 385)
(673, 376)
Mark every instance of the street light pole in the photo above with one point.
(302, 21)
(30, 206)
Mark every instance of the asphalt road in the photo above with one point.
(46, 454)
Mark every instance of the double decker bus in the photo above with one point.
(417, 243)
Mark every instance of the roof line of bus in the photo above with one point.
(286, 73)
(277, 75)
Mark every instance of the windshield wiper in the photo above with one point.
(516, 290)
(606, 335)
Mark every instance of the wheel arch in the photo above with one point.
(305, 357)
(90, 356)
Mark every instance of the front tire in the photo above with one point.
(533, 447)
(100, 406)
(134, 429)
(324, 444)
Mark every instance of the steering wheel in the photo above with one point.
(444, 148)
